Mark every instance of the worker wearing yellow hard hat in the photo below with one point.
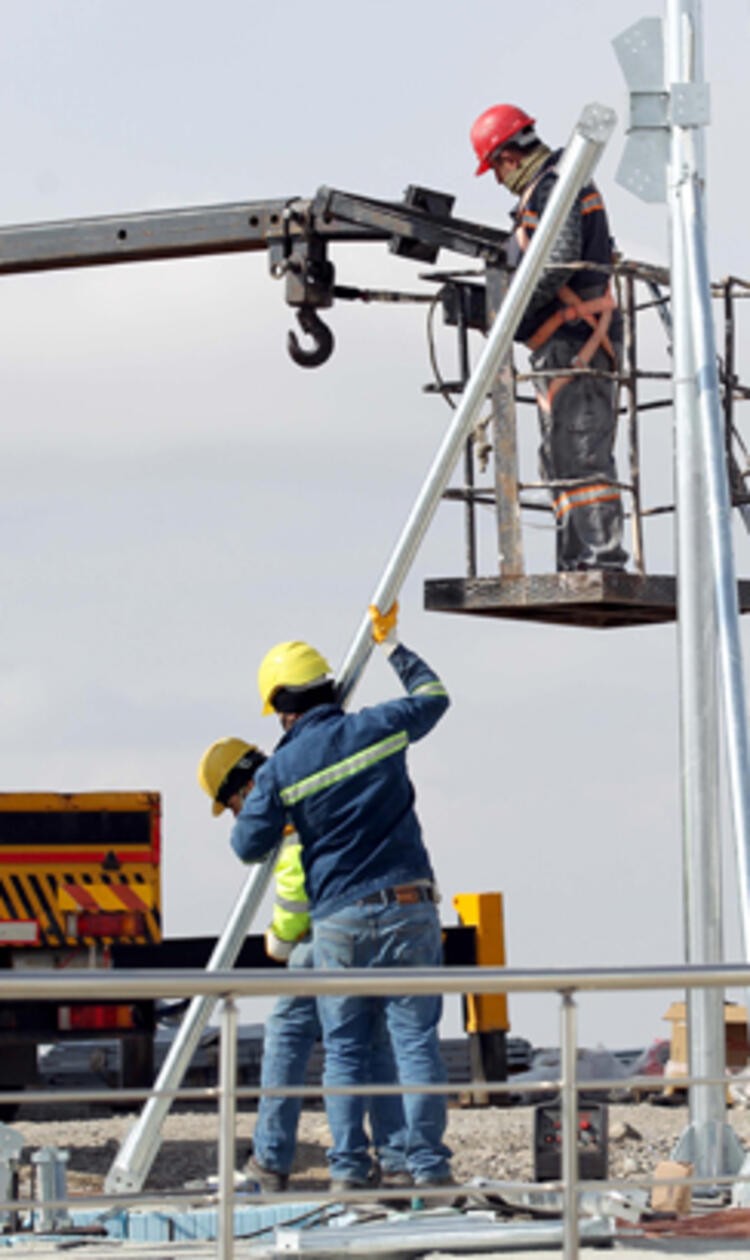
(291, 668)
(342, 780)
(226, 772)
(227, 768)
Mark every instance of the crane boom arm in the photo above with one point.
(237, 227)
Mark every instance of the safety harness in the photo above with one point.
(595, 311)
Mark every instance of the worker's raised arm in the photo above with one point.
(427, 698)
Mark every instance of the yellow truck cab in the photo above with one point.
(80, 873)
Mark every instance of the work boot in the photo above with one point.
(270, 1181)
(351, 1185)
(446, 1196)
(395, 1179)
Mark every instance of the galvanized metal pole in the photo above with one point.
(595, 126)
(569, 1122)
(720, 539)
(704, 1143)
(631, 385)
(133, 1161)
(723, 1152)
(509, 539)
(581, 155)
(696, 641)
(227, 1126)
(464, 367)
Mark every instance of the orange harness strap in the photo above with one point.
(576, 308)
(596, 312)
(588, 311)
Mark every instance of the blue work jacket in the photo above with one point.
(584, 237)
(341, 780)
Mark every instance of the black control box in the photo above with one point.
(592, 1141)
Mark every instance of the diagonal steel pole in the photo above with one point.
(135, 1157)
(592, 132)
(594, 128)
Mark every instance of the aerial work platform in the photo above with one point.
(597, 599)
(493, 482)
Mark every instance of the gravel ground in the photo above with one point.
(490, 1142)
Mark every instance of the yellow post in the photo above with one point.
(486, 1012)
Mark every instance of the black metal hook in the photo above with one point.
(311, 323)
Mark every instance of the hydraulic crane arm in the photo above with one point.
(246, 227)
(144, 236)
(418, 227)
(295, 232)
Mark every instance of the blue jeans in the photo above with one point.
(291, 1032)
(392, 935)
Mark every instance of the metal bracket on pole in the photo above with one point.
(135, 1157)
(643, 167)
(654, 109)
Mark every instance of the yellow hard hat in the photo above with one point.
(218, 762)
(292, 664)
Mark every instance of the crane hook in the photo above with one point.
(311, 323)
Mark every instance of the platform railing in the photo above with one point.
(642, 290)
(568, 986)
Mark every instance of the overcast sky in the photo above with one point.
(176, 496)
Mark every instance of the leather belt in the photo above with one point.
(404, 894)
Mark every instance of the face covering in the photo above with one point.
(524, 173)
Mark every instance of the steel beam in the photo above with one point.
(408, 223)
(505, 438)
(237, 227)
(147, 235)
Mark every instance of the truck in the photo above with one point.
(80, 874)
(80, 886)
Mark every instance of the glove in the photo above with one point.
(276, 947)
(384, 626)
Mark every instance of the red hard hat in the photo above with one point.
(495, 127)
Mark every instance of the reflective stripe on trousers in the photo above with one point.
(578, 424)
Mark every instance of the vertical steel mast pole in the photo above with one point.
(731, 670)
(708, 1142)
(594, 128)
(696, 642)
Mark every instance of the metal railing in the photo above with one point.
(642, 289)
(227, 987)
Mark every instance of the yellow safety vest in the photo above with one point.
(291, 910)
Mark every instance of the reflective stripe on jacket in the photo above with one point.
(341, 780)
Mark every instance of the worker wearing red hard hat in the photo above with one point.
(573, 329)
